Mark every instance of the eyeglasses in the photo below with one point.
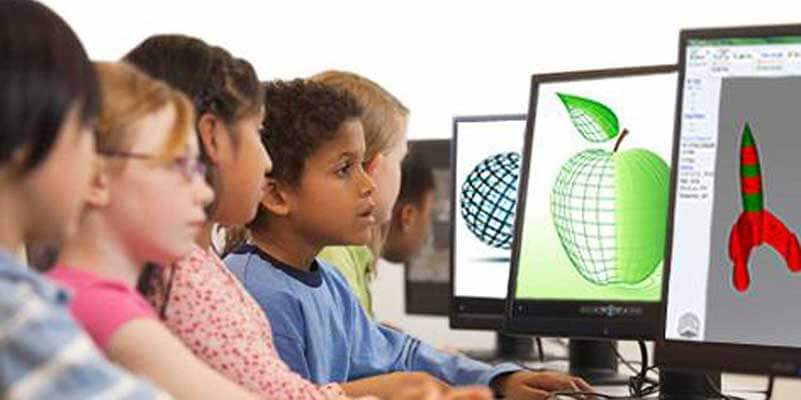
(187, 165)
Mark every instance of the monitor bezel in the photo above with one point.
(472, 312)
(712, 356)
(565, 318)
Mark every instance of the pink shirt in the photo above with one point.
(101, 306)
(215, 317)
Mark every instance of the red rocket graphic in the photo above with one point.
(757, 226)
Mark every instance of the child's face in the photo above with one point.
(157, 209)
(55, 190)
(333, 203)
(387, 177)
(242, 169)
(411, 227)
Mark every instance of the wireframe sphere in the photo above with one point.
(489, 198)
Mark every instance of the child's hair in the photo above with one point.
(417, 179)
(384, 117)
(300, 116)
(384, 122)
(214, 80)
(128, 95)
(45, 72)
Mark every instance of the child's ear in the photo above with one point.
(275, 198)
(209, 134)
(99, 194)
(408, 216)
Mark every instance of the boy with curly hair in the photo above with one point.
(318, 194)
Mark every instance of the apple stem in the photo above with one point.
(620, 139)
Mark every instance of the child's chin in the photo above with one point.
(359, 240)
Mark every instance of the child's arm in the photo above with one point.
(147, 348)
(291, 351)
(44, 354)
(385, 349)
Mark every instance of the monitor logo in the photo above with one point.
(489, 198)
(689, 326)
(610, 207)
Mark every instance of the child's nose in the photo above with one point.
(367, 184)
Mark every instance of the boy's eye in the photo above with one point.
(344, 169)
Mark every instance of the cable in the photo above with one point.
(640, 384)
(540, 352)
(769, 390)
(584, 395)
(715, 389)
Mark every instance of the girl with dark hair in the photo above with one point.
(48, 105)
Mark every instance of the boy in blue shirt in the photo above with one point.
(318, 195)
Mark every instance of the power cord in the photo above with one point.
(769, 390)
(540, 352)
(718, 392)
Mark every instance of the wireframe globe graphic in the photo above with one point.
(489, 198)
(609, 211)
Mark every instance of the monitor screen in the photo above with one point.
(734, 255)
(591, 221)
(487, 157)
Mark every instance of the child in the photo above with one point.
(149, 151)
(48, 104)
(319, 195)
(384, 123)
(411, 217)
(199, 299)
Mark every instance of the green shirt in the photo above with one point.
(356, 264)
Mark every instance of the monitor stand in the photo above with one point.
(596, 362)
(676, 385)
(508, 348)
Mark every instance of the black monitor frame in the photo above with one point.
(706, 356)
(575, 319)
(472, 312)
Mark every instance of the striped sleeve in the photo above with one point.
(44, 355)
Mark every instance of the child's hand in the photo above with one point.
(527, 385)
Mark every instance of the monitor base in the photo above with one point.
(596, 362)
(679, 385)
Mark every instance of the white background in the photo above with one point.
(442, 58)
(477, 141)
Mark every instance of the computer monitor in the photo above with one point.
(428, 273)
(485, 165)
(733, 257)
(590, 227)
(486, 156)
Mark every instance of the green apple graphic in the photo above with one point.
(610, 207)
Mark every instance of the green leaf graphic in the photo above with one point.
(593, 120)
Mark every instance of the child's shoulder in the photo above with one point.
(257, 274)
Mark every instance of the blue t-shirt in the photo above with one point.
(324, 335)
